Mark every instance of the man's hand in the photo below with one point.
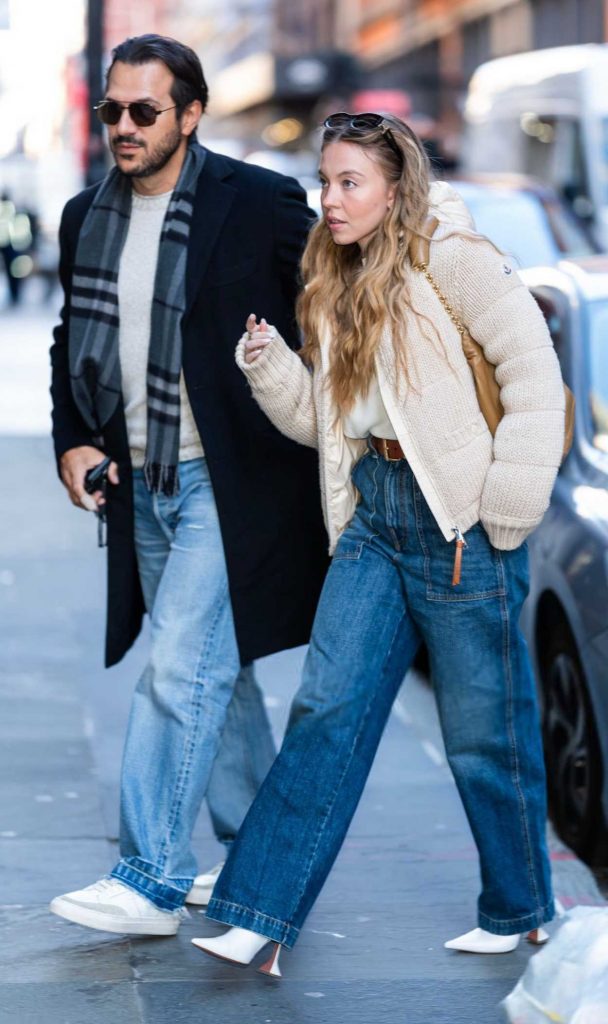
(74, 465)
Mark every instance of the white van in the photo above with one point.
(545, 113)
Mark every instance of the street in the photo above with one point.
(406, 880)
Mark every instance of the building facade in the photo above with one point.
(432, 47)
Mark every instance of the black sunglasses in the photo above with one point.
(364, 123)
(142, 114)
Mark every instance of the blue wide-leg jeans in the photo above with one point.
(198, 724)
(388, 587)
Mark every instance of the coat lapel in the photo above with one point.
(214, 197)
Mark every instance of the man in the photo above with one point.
(213, 516)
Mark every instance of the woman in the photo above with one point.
(427, 516)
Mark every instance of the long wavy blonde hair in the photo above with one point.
(357, 299)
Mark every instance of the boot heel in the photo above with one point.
(271, 967)
(538, 937)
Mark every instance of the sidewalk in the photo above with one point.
(372, 949)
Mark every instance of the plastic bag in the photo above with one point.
(567, 982)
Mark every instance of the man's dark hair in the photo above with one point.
(188, 79)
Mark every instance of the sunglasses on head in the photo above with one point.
(142, 114)
(363, 123)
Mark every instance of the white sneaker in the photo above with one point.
(202, 887)
(113, 907)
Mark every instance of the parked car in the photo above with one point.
(524, 218)
(545, 113)
(521, 216)
(566, 615)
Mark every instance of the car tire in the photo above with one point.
(572, 752)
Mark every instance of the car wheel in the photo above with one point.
(572, 752)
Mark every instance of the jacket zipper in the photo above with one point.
(460, 546)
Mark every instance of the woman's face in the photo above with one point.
(355, 195)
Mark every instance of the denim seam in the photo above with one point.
(523, 810)
(480, 595)
(257, 913)
(156, 512)
(251, 774)
(197, 691)
(389, 505)
(353, 555)
(540, 911)
(152, 889)
(127, 863)
(374, 494)
(417, 495)
(332, 801)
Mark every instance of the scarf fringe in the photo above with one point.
(161, 479)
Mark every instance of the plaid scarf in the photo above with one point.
(94, 316)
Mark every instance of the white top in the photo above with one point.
(369, 416)
(135, 291)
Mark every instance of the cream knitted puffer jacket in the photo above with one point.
(464, 473)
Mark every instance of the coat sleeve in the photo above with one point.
(503, 317)
(69, 429)
(282, 387)
(292, 220)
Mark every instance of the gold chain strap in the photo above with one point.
(423, 268)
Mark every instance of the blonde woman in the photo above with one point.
(427, 516)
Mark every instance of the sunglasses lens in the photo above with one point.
(336, 120)
(363, 121)
(142, 114)
(109, 112)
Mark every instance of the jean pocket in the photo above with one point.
(481, 576)
(348, 548)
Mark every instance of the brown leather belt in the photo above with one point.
(387, 448)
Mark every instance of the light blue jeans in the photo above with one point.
(388, 587)
(192, 694)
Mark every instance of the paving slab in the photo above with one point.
(39, 948)
(70, 1002)
(260, 1001)
(35, 870)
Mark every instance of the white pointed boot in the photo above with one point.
(480, 941)
(239, 946)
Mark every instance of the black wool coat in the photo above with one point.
(248, 230)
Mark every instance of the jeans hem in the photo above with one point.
(513, 925)
(243, 917)
(162, 895)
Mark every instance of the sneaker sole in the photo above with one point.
(105, 923)
(198, 898)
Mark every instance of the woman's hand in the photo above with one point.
(258, 337)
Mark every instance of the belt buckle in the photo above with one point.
(385, 451)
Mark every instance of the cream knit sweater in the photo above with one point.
(464, 473)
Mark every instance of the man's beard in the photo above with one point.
(157, 158)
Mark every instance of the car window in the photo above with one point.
(598, 373)
(515, 221)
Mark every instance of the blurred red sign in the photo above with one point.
(382, 101)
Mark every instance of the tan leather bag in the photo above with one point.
(486, 387)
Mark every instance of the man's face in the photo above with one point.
(141, 152)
